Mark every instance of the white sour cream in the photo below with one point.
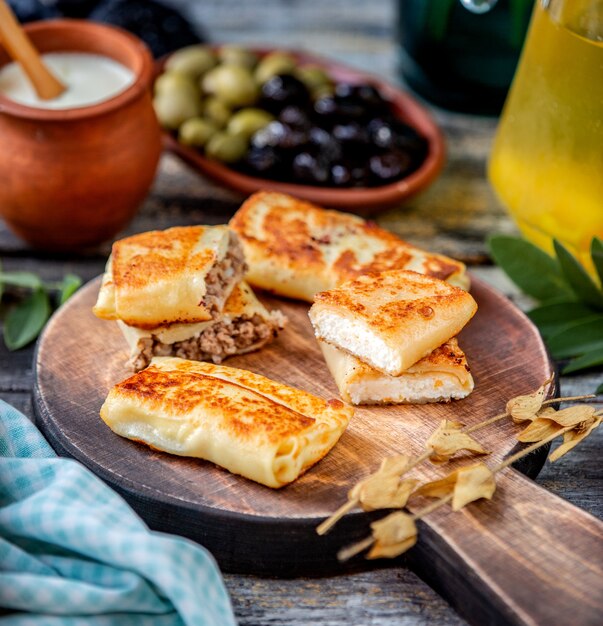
(89, 78)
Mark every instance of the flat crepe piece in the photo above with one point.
(244, 325)
(179, 275)
(244, 422)
(390, 320)
(441, 376)
(297, 249)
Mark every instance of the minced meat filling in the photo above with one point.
(228, 271)
(220, 340)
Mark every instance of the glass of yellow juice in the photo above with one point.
(546, 164)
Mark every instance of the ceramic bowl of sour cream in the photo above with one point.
(74, 170)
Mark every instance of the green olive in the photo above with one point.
(248, 121)
(174, 81)
(322, 91)
(226, 147)
(192, 60)
(196, 132)
(175, 107)
(273, 64)
(313, 76)
(236, 55)
(233, 84)
(216, 112)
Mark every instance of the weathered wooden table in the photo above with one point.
(454, 216)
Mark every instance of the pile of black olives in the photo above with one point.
(271, 118)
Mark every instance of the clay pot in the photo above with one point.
(73, 178)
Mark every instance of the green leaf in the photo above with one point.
(585, 361)
(577, 339)
(71, 283)
(553, 317)
(531, 269)
(1, 283)
(25, 321)
(577, 277)
(599, 389)
(596, 252)
(21, 279)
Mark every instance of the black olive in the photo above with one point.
(351, 132)
(264, 161)
(341, 175)
(310, 169)
(283, 90)
(271, 135)
(324, 143)
(295, 116)
(389, 166)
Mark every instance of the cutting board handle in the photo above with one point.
(525, 557)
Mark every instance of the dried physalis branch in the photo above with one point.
(466, 485)
(397, 532)
(525, 408)
(448, 439)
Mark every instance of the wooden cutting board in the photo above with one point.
(526, 557)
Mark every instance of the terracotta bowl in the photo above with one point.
(73, 178)
(360, 200)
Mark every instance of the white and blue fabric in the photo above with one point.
(72, 552)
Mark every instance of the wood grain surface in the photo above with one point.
(492, 555)
(453, 216)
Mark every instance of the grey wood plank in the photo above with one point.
(376, 598)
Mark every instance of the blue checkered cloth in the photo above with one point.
(72, 552)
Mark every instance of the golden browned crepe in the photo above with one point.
(390, 320)
(243, 326)
(179, 275)
(297, 249)
(441, 376)
(246, 423)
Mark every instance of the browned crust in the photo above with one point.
(154, 255)
(247, 416)
(303, 242)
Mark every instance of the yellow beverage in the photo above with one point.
(547, 161)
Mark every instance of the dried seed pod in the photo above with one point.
(394, 535)
(448, 439)
(524, 408)
(466, 485)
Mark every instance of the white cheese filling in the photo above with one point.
(418, 389)
(355, 337)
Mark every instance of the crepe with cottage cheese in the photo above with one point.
(441, 376)
(244, 422)
(297, 249)
(179, 275)
(243, 326)
(390, 320)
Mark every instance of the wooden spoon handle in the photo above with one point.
(20, 48)
(526, 557)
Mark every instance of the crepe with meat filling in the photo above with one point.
(441, 376)
(243, 326)
(391, 320)
(297, 249)
(244, 422)
(179, 275)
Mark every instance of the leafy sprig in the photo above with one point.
(570, 312)
(24, 320)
